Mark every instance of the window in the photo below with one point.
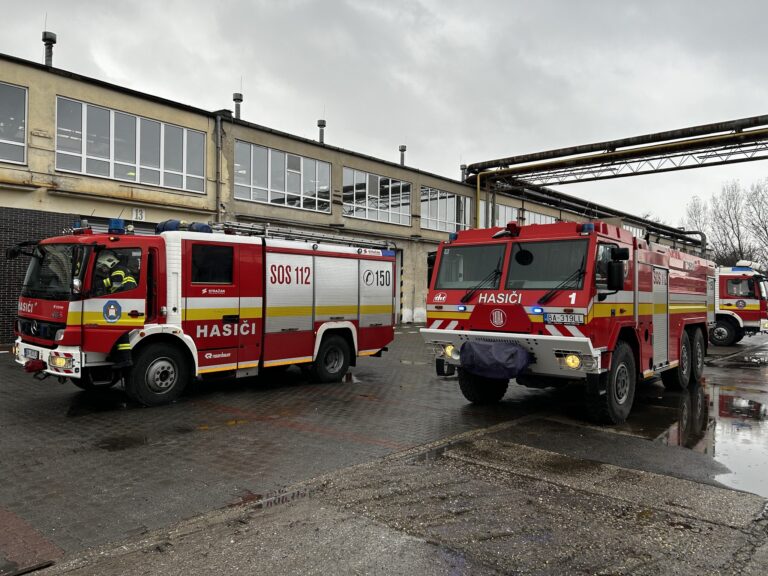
(468, 267)
(504, 214)
(538, 218)
(601, 263)
(13, 123)
(276, 177)
(374, 197)
(444, 211)
(116, 270)
(741, 288)
(102, 142)
(212, 264)
(546, 265)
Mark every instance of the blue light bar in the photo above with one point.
(587, 228)
(453, 236)
(116, 226)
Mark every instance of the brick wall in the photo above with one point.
(16, 226)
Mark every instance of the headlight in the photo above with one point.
(573, 361)
(60, 362)
(452, 352)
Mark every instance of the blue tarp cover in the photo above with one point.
(497, 360)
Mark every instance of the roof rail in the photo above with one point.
(268, 231)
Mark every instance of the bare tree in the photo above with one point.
(730, 234)
(697, 216)
(757, 213)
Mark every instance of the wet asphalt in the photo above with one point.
(82, 471)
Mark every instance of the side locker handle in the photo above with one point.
(231, 318)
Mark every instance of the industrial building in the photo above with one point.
(73, 147)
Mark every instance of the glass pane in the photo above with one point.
(125, 138)
(309, 203)
(349, 183)
(294, 183)
(359, 212)
(405, 220)
(97, 143)
(212, 264)
(97, 167)
(309, 177)
(67, 162)
(149, 147)
(323, 180)
(242, 192)
(69, 126)
(373, 187)
(173, 147)
(293, 201)
(11, 152)
(195, 184)
(347, 210)
(125, 172)
(276, 197)
(195, 153)
(12, 114)
(150, 176)
(383, 194)
(405, 206)
(260, 163)
(173, 180)
(260, 195)
(242, 163)
(450, 216)
(323, 206)
(277, 170)
(360, 188)
(294, 162)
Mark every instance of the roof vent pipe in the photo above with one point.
(237, 97)
(49, 39)
(321, 125)
(402, 154)
(463, 172)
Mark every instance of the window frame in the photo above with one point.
(137, 165)
(435, 223)
(371, 207)
(24, 144)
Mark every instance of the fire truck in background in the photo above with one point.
(154, 311)
(741, 296)
(553, 303)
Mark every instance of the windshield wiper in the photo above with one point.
(489, 279)
(575, 275)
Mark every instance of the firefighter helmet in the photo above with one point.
(106, 261)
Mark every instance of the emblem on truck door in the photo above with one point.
(498, 317)
(112, 311)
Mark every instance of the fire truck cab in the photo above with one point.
(155, 311)
(741, 297)
(547, 304)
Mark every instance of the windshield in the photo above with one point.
(547, 265)
(52, 269)
(464, 267)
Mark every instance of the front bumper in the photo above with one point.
(63, 361)
(549, 352)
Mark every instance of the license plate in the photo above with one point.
(558, 318)
(30, 353)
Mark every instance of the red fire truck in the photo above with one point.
(554, 303)
(154, 311)
(741, 297)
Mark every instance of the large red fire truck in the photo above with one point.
(741, 296)
(154, 311)
(554, 303)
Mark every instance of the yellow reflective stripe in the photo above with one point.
(300, 360)
(273, 311)
(376, 309)
(336, 310)
(250, 313)
(123, 346)
(447, 315)
(98, 318)
(118, 273)
(678, 308)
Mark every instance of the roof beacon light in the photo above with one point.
(586, 228)
(453, 236)
(116, 226)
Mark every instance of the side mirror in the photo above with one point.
(616, 275)
(619, 253)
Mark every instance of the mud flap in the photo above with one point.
(495, 360)
(442, 368)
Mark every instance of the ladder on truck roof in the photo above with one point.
(268, 231)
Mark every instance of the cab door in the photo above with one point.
(211, 296)
(251, 264)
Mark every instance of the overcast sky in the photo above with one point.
(456, 81)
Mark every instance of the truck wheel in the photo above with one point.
(739, 335)
(612, 401)
(678, 378)
(698, 352)
(159, 375)
(332, 360)
(723, 334)
(479, 390)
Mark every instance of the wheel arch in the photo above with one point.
(346, 330)
(140, 339)
(628, 335)
(727, 315)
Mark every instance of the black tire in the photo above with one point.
(479, 390)
(159, 374)
(698, 412)
(678, 378)
(332, 360)
(102, 379)
(739, 335)
(612, 401)
(698, 354)
(724, 333)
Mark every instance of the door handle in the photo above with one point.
(135, 314)
(231, 318)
